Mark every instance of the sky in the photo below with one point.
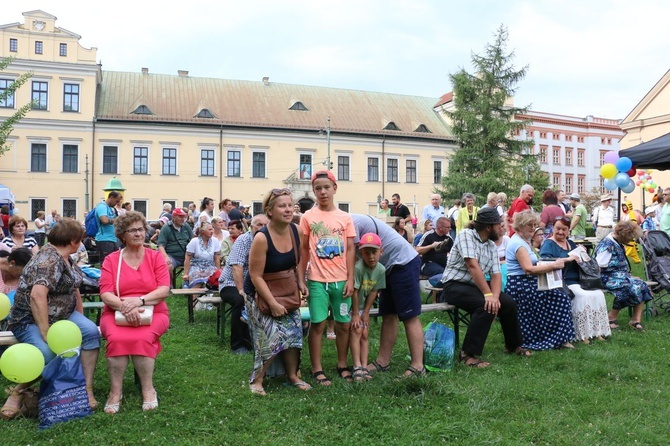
(593, 57)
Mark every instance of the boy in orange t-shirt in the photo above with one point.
(328, 244)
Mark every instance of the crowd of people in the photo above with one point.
(488, 260)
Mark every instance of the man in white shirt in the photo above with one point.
(434, 210)
(452, 215)
(603, 217)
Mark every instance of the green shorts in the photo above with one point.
(324, 295)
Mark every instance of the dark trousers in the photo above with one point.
(239, 331)
(105, 249)
(431, 269)
(469, 298)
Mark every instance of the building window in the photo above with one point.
(38, 157)
(437, 172)
(602, 185)
(207, 163)
(410, 171)
(580, 158)
(392, 170)
(557, 156)
(140, 206)
(580, 139)
(305, 166)
(556, 136)
(70, 158)
(258, 165)
(110, 159)
(71, 97)
(568, 184)
(602, 157)
(343, 168)
(69, 208)
(297, 105)
(172, 203)
(40, 95)
(141, 160)
(256, 208)
(580, 184)
(169, 161)
(373, 169)
(39, 47)
(63, 49)
(543, 154)
(7, 102)
(568, 138)
(205, 113)
(233, 168)
(142, 110)
(36, 205)
(568, 156)
(543, 135)
(557, 181)
(343, 207)
(13, 45)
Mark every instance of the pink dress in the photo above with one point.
(152, 273)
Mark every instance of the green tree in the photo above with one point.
(483, 121)
(7, 125)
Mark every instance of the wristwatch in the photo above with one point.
(142, 299)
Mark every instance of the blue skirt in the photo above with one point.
(545, 317)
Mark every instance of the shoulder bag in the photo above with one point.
(589, 273)
(146, 316)
(283, 285)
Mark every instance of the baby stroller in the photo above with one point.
(656, 248)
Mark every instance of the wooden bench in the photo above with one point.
(190, 294)
(7, 338)
(218, 303)
(94, 306)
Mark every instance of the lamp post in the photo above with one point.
(328, 143)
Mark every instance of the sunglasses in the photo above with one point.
(280, 192)
(564, 219)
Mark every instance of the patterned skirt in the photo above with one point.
(545, 317)
(270, 335)
(589, 313)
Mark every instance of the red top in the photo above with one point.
(517, 205)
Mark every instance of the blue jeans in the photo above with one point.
(30, 333)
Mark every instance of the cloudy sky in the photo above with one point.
(593, 57)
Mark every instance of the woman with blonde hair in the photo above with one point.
(545, 316)
(275, 248)
(467, 213)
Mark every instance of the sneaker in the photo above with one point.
(241, 351)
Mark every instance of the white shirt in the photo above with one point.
(604, 217)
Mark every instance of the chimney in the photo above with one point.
(182, 73)
(266, 81)
(145, 71)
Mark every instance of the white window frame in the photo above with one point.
(64, 143)
(76, 206)
(386, 164)
(379, 167)
(312, 154)
(241, 157)
(441, 170)
(132, 158)
(102, 157)
(337, 163)
(32, 141)
(71, 82)
(416, 169)
(213, 149)
(263, 150)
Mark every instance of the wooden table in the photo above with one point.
(189, 293)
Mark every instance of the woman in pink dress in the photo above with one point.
(133, 277)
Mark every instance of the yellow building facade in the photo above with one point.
(178, 139)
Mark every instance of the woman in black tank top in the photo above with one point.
(278, 334)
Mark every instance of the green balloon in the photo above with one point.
(63, 335)
(4, 306)
(22, 363)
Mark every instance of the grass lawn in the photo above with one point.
(608, 393)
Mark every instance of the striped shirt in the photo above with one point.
(469, 245)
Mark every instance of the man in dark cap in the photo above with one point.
(473, 256)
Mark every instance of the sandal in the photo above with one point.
(637, 326)
(413, 372)
(613, 324)
(321, 378)
(361, 374)
(8, 412)
(519, 351)
(331, 335)
(472, 361)
(112, 408)
(150, 405)
(348, 377)
(377, 367)
(301, 385)
(257, 390)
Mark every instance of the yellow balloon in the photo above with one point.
(22, 363)
(608, 171)
(5, 305)
(63, 335)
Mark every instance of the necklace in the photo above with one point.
(134, 264)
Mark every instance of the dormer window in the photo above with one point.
(205, 113)
(142, 110)
(422, 129)
(297, 105)
(391, 126)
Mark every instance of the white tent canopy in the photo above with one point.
(6, 196)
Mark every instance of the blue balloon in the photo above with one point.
(623, 164)
(622, 179)
(609, 184)
(630, 187)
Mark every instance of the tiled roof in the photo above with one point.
(447, 97)
(178, 99)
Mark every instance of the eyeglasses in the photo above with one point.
(564, 219)
(135, 231)
(280, 192)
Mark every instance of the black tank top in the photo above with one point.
(274, 260)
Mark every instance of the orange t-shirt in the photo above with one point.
(327, 233)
